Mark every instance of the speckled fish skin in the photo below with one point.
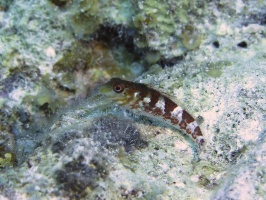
(147, 101)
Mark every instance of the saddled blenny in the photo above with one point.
(147, 101)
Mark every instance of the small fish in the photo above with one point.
(149, 102)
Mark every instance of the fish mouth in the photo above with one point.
(117, 99)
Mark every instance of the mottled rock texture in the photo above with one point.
(59, 141)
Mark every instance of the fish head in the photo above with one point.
(117, 90)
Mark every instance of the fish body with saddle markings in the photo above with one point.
(149, 102)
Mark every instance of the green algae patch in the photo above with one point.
(7, 160)
(87, 19)
(48, 101)
(191, 38)
(86, 64)
(88, 15)
(152, 57)
(165, 25)
(215, 70)
(214, 73)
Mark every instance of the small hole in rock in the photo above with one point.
(216, 44)
(242, 44)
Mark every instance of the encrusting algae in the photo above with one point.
(6, 161)
(209, 54)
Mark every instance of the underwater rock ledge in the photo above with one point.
(209, 56)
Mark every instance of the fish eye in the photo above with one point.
(118, 88)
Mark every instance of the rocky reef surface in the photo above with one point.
(60, 139)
